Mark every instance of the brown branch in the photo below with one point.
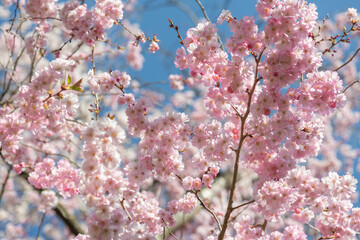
(41, 223)
(196, 192)
(229, 208)
(177, 30)
(125, 209)
(350, 85)
(13, 20)
(68, 219)
(244, 204)
(51, 154)
(75, 50)
(4, 184)
(333, 39)
(348, 60)
(207, 209)
(39, 18)
(173, 235)
(312, 227)
(64, 44)
(138, 37)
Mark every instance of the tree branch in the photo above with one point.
(4, 184)
(208, 19)
(207, 209)
(243, 135)
(244, 204)
(350, 85)
(69, 219)
(348, 60)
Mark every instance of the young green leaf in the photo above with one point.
(76, 88)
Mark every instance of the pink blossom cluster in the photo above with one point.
(41, 8)
(33, 113)
(113, 196)
(105, 82)
(280, 131)
(135, 35)
(48, 200)
(10, 132)
(63, 176)
(134, 56)
(352, 15)
(321, 92)
(159, 149)
(176, 81)
(246, 230)
(186, 204)
(89, 25)
(203, 48)
(326, 202)
(39, 41)
(213, 145)
(153, 47)
(257, 112)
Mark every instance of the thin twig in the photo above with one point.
(234, 218)
(207, 209)
(127, 29)
(75, 50)
(93, 60)
(151, 83)
(237, 112)
(13, 20)
(96, 101)
(196, 192)
(186, 9)
(333, 39)
(38, 18)
(350, 85)
(138, 37)
(4, 184)
(75, 121)
(348, 60)
(312, 227)
(208, 19)
(177, 30)
(244, 204)
(41, 223)
(50, 154)
(173, 235)
(64, 44)
(125, 209)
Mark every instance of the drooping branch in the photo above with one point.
(69, 220)
(208, 19)
(350, 85)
